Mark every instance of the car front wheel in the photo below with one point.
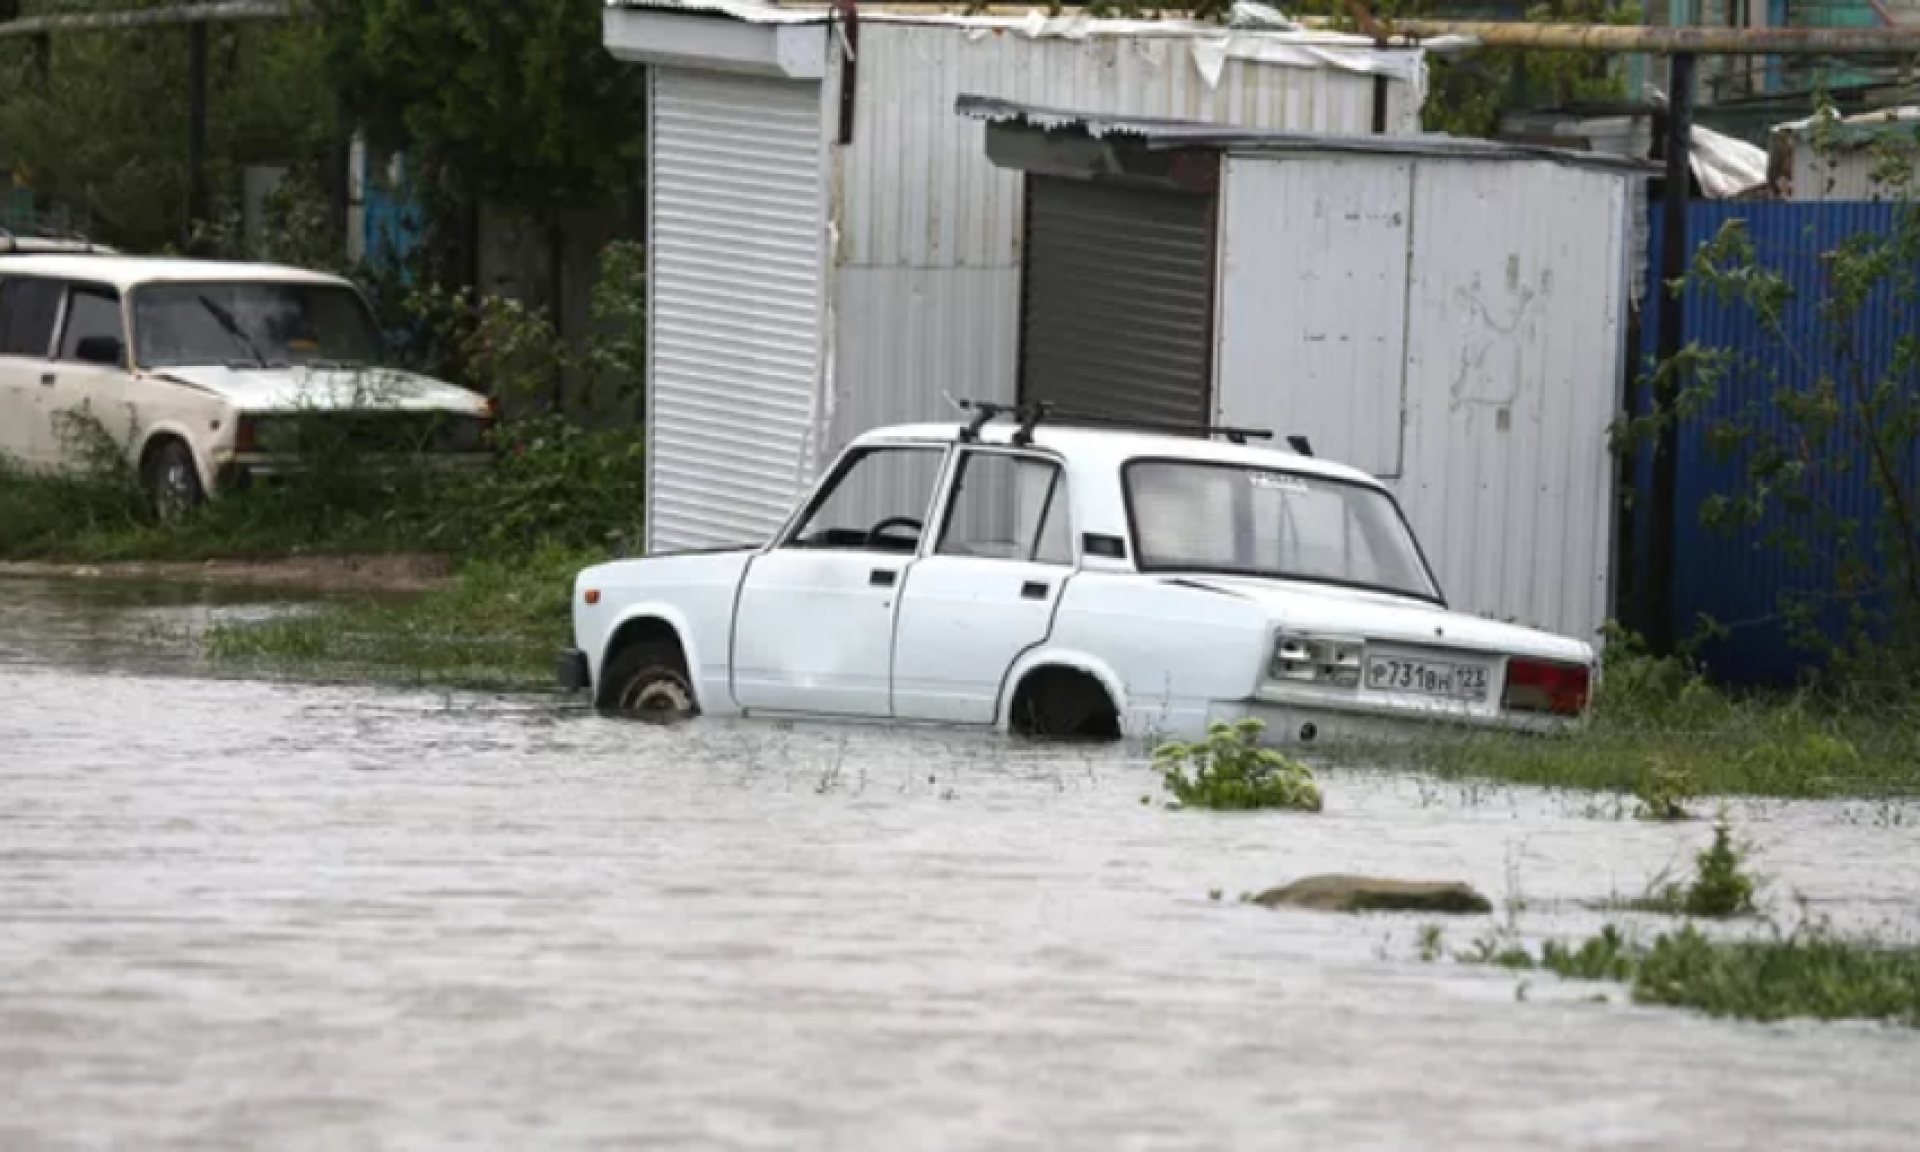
(173, 481)
(647, 682)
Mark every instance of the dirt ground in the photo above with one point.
(398, 573)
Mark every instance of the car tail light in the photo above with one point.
(246, 434)
(1547, 686)
(1317, 661)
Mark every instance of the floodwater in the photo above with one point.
(245, 914)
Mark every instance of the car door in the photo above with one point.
(988, 590)
(88, 379)
(29, 308)
(813, 626)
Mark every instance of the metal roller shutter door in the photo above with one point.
(735, 230)
(1117, 300)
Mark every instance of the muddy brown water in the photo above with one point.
(245, 913)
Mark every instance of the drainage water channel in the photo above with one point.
(248, 914)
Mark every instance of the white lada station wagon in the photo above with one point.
(1070, 581)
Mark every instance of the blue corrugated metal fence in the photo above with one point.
(1736, 577)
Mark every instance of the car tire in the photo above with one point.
(172, 481)
(647, 681)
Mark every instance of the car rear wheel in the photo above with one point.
(172, 481)
(647, 681)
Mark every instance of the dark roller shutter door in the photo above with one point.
(1117, 300)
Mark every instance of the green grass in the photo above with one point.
(1665, 739)
(547, 482)
(1813, 975)
(499, 625)
(1808, 974)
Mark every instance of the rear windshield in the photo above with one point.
(1246, 521)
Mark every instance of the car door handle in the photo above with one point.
(881, 577)
(46, 380)
(1033, 590)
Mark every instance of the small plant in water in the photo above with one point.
(1663, 791)
(1230, 771)
(1432, 937)
(1721, 886)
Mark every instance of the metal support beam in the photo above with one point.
(1668, 41)
(197, 126)
(1663, 515)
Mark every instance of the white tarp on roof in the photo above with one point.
(1254, 33)
(1726, 167)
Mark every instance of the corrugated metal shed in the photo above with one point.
(1516, 365)
(1455, 327)
(917, 286)
(1736, 577)
(927, 281)
(1866, 157)
(1447, 314)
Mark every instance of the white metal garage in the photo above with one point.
(831, 248)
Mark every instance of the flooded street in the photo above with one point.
(242, 914)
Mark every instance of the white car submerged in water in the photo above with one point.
(196, 368)
(1072, 581)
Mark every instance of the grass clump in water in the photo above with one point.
(498, 625)
(1806, 975)
(1721, 886)
(1230, 771)
(1810, 974)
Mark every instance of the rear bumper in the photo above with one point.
(572, 671)
(1306, 724)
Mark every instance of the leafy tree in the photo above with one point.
(106, 133)
(514, 101)
(1825, 435)
(1467, 94)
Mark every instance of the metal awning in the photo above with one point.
(1157, 135)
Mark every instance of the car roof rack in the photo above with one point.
(41, 238)
(1031, 413)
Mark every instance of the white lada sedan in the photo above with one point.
(1070, 581)
(199, 370)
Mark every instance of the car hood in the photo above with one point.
(1400, 619)
(296, 388)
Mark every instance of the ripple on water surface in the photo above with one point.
(243, 914)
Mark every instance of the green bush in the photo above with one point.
(1230, 772)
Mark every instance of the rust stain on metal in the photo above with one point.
(1704, 41)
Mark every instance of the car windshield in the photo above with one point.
(259, 324)
(1249, 521)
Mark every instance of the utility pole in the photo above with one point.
(196, 131)
(1662, 629)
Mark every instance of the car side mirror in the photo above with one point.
(103, 350)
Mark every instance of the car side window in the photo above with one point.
(877, 501)
(1008, 507)
(93, 320)
(28, 309)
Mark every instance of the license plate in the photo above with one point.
(1428, 677)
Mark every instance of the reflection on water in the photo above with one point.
(243, 915)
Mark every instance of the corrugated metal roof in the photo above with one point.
(1255, 33)
(1162, 135)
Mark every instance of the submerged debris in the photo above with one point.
(1340, 893)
